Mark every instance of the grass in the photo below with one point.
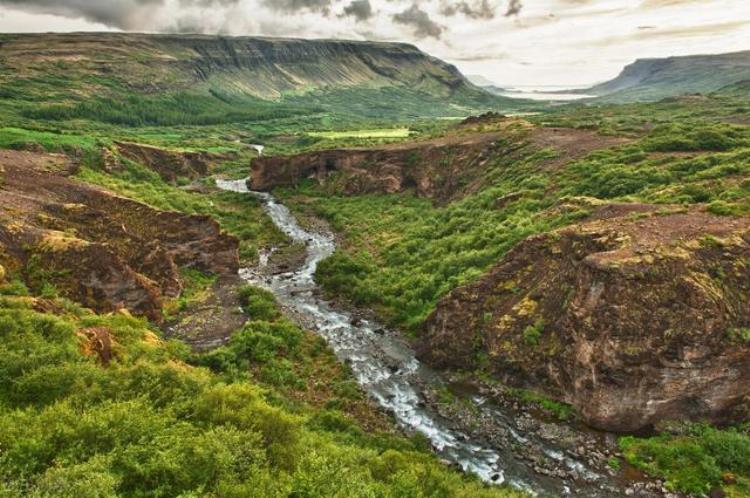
(238, 214)
(381, 133)
(57, 141)
(195, 290)
(560, 411)
(533, 333)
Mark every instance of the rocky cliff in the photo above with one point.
(99, 249)
(436, 169)
(635, 316)
(169, 164)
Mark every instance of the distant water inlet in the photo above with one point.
(386, 367)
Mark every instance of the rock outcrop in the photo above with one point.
(102, 250)
(437, 169)
(635, 316)
(169, 164)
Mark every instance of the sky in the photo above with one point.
(513, 43)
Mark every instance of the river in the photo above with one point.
(387, 369)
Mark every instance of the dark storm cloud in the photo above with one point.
(208, 3)
(115, 13)
(297, 5)
(418, 19)
(483, 9)
(514, 8)
(361, 10)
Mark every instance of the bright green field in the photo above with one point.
(382, 133)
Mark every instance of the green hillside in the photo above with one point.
(654, 79)
(137, 79)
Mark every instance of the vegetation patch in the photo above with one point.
(560, 411)
(700, 459)
(382, 133)
(150, 424)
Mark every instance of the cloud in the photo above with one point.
(361, 10)
(297, 5)
(650, 33)
(482, 9)
(514, 8)
(655, 4)
(420, 20)
(124, 14)
(480, 57)
(207, 3)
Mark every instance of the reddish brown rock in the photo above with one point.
(98, 341)
(102, 250)
(435, 169)
(633, 317)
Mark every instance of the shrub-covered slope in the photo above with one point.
(99, 406)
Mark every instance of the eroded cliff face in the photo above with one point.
(169, 164)
(97, 248)
(633, 317)
(437, 169)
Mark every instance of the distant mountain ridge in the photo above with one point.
(258, 66)
(122, 77)
(655, 79)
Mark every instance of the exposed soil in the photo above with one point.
(571, 143)
(211, 322)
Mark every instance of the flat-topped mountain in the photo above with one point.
(654, 79)
(233, 72)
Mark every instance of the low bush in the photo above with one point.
(701, 459)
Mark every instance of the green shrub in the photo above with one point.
(148, 425)
(533, 333)
(260, 304)
(740, 335)
(168, 109)
(695, 462)
(722, 208)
